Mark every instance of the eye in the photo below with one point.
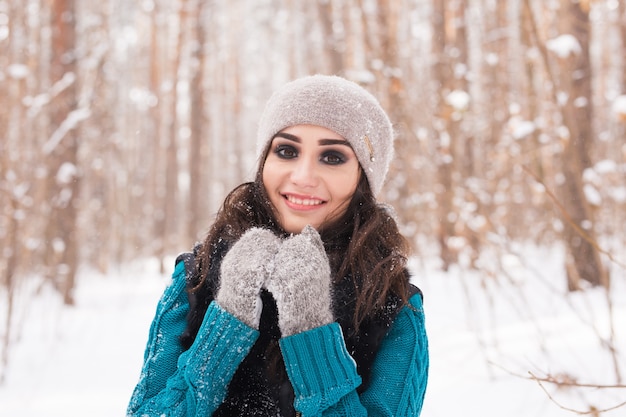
(286, 151)
(333, 158)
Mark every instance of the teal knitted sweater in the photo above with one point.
(324, 377)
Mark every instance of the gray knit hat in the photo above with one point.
(341, 106)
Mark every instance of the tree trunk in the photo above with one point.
(445, 127)
(332, 43)
(197, 140)
(171, 160)
(9, 209)
(380, 29)
(459, 128)
(622, 30)
(155, 131)
(11, 248)
(575, 81)
(62, 149)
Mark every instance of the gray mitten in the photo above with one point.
(301, 284)
(243, 272)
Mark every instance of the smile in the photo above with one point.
(302, 201)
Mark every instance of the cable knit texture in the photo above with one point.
(193, 382)
(300, 283)
(324, 376)
(162, 350)
(243, 272)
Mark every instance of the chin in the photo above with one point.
(296, 227)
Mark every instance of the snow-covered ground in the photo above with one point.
(486, 334)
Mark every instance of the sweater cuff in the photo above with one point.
(221, 345)
(319, 367)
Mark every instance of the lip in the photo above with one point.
(301, 202)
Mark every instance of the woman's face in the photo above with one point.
(310, 174)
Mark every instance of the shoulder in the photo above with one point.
(405, 347)
(400, 370)
(410, 319)
(416, 296)
(185, 262)
(176, 289)
(173, 304)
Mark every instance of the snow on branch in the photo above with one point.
(70, 122)
(619, 107)
(564, 46)
(40, 100)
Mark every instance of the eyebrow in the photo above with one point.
(323, 142)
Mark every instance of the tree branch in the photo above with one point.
(592, 410)
(570, 221)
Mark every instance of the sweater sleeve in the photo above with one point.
(325, 379)
(181, 383)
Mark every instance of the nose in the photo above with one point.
(304, 173)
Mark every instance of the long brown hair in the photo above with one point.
(363, 245)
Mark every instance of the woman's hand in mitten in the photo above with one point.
(301, 283)
(244, 270)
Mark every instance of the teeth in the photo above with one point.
(304, 202)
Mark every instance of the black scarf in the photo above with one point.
(260, 386)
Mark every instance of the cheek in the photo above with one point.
(266, 176)
(271, 180)
(346, 186)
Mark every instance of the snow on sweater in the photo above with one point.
(189, 383)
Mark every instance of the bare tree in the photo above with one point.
(61, 151)
(333, 42)
(155, 128)
(455, 92)
(198, 120)
(575, 83)
(622, 25)
(9, 209)
(99, 224)
(449, 70)
(572, 99)
(172, 169)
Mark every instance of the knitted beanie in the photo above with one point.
(341, 106)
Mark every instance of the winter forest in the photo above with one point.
(123, 124)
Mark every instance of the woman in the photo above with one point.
(299, 300)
